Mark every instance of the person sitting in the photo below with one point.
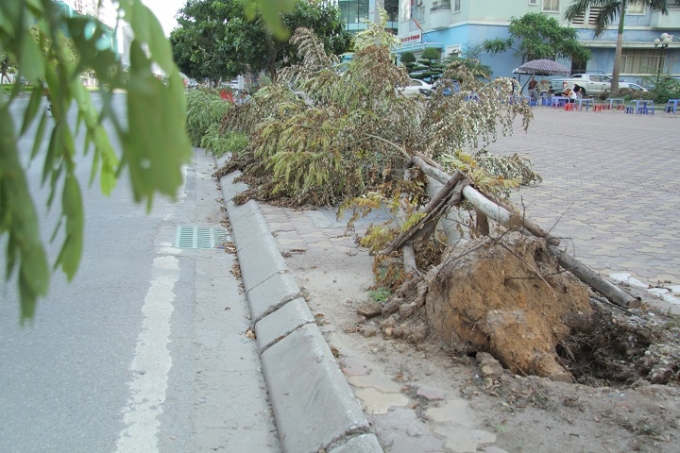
(578, 91)
(533, 92)
(569, 93)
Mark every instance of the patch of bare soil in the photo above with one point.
(618, 354)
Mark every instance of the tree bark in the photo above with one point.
(619, 47)
(433, 209)
(407, 251)
(482, 223)
(590, 278)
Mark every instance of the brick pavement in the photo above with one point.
(610, 185)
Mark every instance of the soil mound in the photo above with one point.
(507, 296)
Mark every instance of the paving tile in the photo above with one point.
(456, 411)
(462, 440)
(377, 381)
(376, 402)
(354, 366)
(430, 393)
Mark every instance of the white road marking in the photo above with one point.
(151, 363)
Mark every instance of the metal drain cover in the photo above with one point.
(194, 237)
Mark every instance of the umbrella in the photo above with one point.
(542, 67)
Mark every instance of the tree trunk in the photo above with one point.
(587, 276)
(619, 47)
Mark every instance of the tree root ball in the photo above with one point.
(507, 296)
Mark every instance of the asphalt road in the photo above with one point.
(130, 355)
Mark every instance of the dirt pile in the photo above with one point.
(507, 296)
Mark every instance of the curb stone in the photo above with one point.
(314, 406)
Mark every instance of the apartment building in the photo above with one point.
(357, 14)
(102, 10)
(458, 27)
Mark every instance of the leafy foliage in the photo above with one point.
(666, 89)
(321, 137)
(430, 53)
(219, 144)
(204, 108)
(407, 57)
(515, 167)
(470, 113)
(154, 144)
(536, 35)
(217, 39)
(338, 144)
(473, 65)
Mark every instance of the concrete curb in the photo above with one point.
(313, 404)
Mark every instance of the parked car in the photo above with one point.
(591, 83)
(416, 87)
(632, 86)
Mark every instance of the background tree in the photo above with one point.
(536, 35)
(426, 68)
(475, 67)
(610, 10)
(407, 57)
(216, 39)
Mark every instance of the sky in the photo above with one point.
(165, 11)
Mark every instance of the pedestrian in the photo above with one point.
(533, 91)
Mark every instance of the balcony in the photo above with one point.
(441, 14)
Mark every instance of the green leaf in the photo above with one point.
(31, 109)
(156, 145)
(72, 211)
(39, 135)
(32, 62)
(18, 218)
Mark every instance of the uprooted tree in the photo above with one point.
(351, 138)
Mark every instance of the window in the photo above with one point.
(636, 8)
(456, 6)
(551, 5)
(440, 4)
(589, 17)
(533, 2)
(642, 61)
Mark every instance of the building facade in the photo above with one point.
(458, 27)
(101, 10)
(357, 14)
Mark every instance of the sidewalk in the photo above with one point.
(612, 193)
(610, 186)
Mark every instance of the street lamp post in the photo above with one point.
(662, 43)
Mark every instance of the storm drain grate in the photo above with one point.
(193, 237)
